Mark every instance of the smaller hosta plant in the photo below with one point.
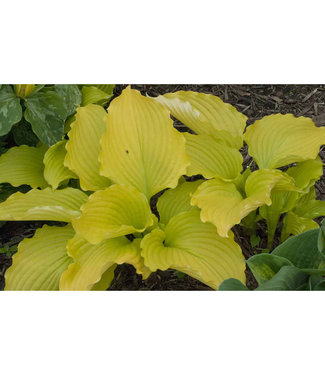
(232, 196)
(131, 153)
(296, 264)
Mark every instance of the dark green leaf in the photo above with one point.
(10, 109)
(23, 134)
(71, 96)
(46, 112)
(231, 285)
(288, 278)
(265, 266)
(302, 250)
(320, 285)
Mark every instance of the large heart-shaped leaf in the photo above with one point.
(47, 204)
(83, 147)
(279, 140)
(23, 165)
(141, 148)
(206, 114)
(113, 212)
(41, 260)
(91, 262)
(195, 248)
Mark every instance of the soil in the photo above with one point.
(255, 101)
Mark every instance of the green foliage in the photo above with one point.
(118, 159)
(296, 264)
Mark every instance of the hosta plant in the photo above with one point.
(232, 195)
(98, 186)
(296, 264)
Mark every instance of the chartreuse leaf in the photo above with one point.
(302, 250)
(71, 96)
(23, 165)
(211, 158)
(306, 173)
(83, 147)
(141, 140)
(10, 109)
(106, 280)
(278, 140)
(294, 224)
(92, 95)
(46, 112)
(106, 88)
(224, 205)
(265, 266)
(206, 114)
(41, 260)
(47, 204)
(113, 212)
(92, 261)
(309, 207)
(55, 172)
(24, 90)
(195, 248)
(175, 201)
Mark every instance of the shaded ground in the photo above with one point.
(255, 101)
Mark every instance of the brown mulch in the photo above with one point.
(255, 101)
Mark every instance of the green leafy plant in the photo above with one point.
(42, 110)
(131, 154)
(296, 264)
(233, 196)
(104, 177)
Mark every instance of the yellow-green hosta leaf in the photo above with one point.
(211, 158)
(310, 207)
(294, 224)
(278, 140)
(195, 248)
(106, 280)
(83, 147)
(224, 205)
(141, 148)
(92, 261)
(113, 212)
(41, 260)
(175, 201)
(92, 95)
(55, 172)
(47, 204)
(23, 165)
(206, 114)
(306, 172)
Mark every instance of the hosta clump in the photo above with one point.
(230, 194)
(121, 157)
(296, 264)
